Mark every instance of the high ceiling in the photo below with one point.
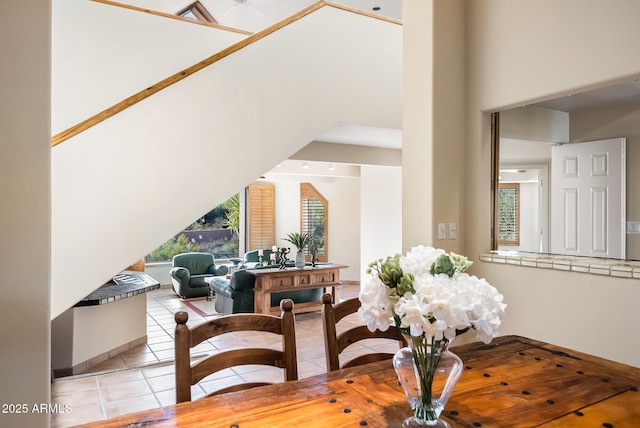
(253, 15)
(256, 14)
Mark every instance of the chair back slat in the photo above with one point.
(335, 344)
(188, 374)
(235, 323)
(233, 358)
(346, 308)
(359, 333)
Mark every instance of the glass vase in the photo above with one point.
(300, 260)
(428, 373)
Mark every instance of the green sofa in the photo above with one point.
(189, 271)
(236, 295)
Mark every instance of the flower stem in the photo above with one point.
(426, 356)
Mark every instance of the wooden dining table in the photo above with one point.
(512, 382)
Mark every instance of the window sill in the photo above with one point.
(607, 267)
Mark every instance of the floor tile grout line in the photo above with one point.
(162, 325)
(158, 403)
(101, 397)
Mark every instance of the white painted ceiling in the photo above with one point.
(608, 95)
(254, 15)
(346, 133)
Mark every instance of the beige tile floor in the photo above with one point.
(143, 377)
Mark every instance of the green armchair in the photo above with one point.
(189, 271)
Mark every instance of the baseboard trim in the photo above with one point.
(86, 366)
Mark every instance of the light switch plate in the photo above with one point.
(441, 231)
(453, 233)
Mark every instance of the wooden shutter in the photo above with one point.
(314, 213)
(509, 214)
(261, 220)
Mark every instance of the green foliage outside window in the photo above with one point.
(225, 215)
(232, 215)
(174, 246)
(509, 214)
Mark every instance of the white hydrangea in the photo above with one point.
(376, 306)
(440, 306)
(419, 259)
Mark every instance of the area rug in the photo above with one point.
(203, 307)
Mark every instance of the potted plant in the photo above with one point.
(300, 241)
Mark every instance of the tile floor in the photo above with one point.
(143, 377)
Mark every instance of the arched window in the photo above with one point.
(314, 212)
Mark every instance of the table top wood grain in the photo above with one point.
(512, 382)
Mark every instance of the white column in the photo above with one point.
(417, 123)
(433, 137)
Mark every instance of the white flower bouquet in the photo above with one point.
(427, 293)
(429, 297)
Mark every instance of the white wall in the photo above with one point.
(343, 196)
(510, 63)
(83, 333)
(100, 329)
(381, 214)
(159, 272)
(25, 230)
(344, 219)
(95, 67)
(287, 211)
(417, 124)
(433, 135)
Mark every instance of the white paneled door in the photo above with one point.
(588, 198)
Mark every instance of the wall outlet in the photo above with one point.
(453, 233)
(441, 232)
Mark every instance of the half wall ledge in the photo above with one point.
(591, 265)
(106, 323)
(120, 287)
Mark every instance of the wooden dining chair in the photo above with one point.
(188, 374)
(335, 343)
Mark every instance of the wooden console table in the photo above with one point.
(278, 280)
